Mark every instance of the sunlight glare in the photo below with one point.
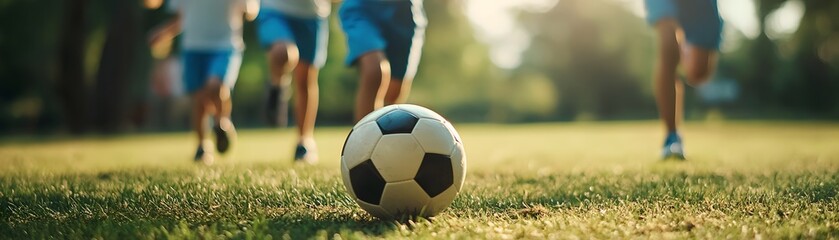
(742, 15)
(495, 25)
(784, 21)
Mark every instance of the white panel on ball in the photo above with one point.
(453, 131)
(360, 144)
(405, 197)
(458, 157)
(345, 175)
(433, 136)
(397, 157)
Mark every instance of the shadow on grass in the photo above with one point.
(277, 228)
(306, 227)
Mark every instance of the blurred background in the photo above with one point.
(83, 66)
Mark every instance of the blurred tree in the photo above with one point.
(28, 38)
(70, 86)
(764, 55)
(116, 65)
(801, 82)
(455, 75)
(814, 87)
(597, 54)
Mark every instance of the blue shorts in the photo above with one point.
(309, 34)
(200, 65)
(700, 19)
(395, 27)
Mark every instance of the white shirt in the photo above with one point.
(300, 8)
(211, 24)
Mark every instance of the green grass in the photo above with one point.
(580, 180)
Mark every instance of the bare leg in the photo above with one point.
(200, 110)
(375, 77)
(199, 115)
(306, 98)
(282, 58)
(225, 108)
(679, 108)
(398, 91)
(219, 95)
(699, 64)
(222, 105)
(306, 108)
(665, 73)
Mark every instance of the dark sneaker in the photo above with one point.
(202, 156)
(673, 147)
(224, 135)
(300, 153)
(303, 154)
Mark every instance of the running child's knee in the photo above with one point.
(284, 53)
(697, 75)
(373, 63)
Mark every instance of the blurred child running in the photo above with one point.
(385, 39)
(688, 33)
(294, 34)
(211, 51)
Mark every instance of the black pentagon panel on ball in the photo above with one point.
(397, 121)
(367, 183)
(435, 174)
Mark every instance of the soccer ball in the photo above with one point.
(402, 161)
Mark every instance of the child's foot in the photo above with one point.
(272, 113)
(306, 153)
(202, 156)
(225, 133)
(673, 147)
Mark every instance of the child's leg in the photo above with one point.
(282, 58)
(201, 108)
(219, 95)
(366, 50)
(194, 76)
(667, 87)
(223, 72)
(305, 99)
(375, 77)
(679, 93)
(701, 39)
(305, 111)
(199, 115)
(698, 63)
(404, 49)
(397, 91)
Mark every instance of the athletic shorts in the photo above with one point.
(200, 65)
(395, 27)
(309, 34)
(700, 19)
